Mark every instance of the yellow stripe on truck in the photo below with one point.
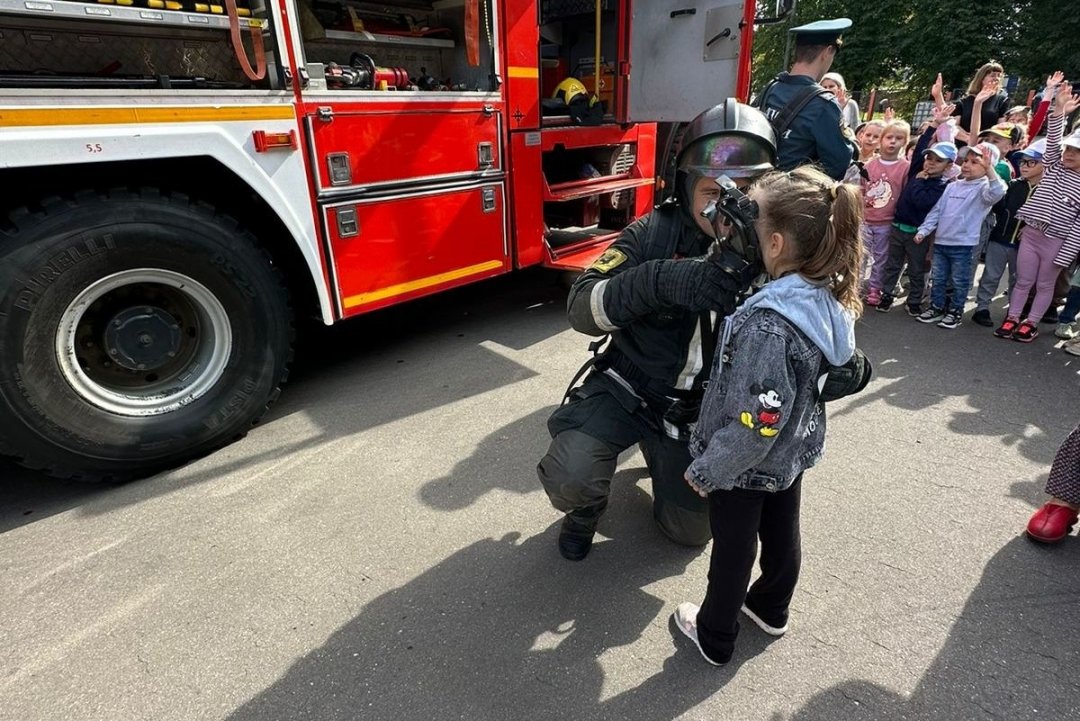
(402, 288)
(29, 117)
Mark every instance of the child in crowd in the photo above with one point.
(762, 423)
(958, 218)
(849, 109)
(1019, 114)
(925, 184)
(883, 182)
(1006, 137)
(1055, 519)
(909, 149)
(1050, 239)
(1004, 238)
(869, 136)
(1068, 316)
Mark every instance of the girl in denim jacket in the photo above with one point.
(762, 423)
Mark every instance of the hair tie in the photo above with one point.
(833, 190)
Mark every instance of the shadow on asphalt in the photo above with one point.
(1012, 653)
(367, 355)
(506, 629)
(1022, 394)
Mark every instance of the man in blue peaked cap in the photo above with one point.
(805, 116)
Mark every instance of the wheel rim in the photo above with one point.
(143, 342)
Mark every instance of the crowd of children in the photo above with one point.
(977, 185)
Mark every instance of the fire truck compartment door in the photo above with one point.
(364, 150)
(394, 248)
(684, 57)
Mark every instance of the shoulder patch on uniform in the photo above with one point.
(612, 258)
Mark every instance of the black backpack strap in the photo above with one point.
(792, 109)
(759, 102)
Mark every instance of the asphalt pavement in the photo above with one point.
(380, 549)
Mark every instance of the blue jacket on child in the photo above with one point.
(762, 422)
(920, 194)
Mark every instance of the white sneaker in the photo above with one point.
(1072, 347)
(685, 618)
(1065, 331)
(771, 630)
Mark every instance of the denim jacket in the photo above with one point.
(762, 423)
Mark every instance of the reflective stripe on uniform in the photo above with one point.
(596, 304)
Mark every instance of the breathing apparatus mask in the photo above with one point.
(732, 218)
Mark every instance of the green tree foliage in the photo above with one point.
(899, 46)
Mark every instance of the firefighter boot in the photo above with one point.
(576, 533)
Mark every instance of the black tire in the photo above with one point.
(233, 336)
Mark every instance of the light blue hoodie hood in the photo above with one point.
(809, 307)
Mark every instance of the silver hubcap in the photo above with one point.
(143, 342)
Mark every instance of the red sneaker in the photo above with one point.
(1051, 523)
(1026, 332)
(1007, 328)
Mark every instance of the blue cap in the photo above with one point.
(822, 32)
(945, 151)
(1031, 153)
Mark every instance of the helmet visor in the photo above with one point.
(730, 155)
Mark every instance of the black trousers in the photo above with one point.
(738, 518)
(590, 432)
(904, 249)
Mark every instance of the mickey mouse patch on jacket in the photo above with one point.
(766, 415)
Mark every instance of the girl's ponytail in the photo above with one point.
(822, 218)
(838, 256)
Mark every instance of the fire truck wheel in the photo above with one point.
(137, 331)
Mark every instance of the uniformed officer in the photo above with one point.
(659, 300)
(812, 130)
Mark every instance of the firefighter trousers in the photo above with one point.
(600, 421)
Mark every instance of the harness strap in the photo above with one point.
(596, 357)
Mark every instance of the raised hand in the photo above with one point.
(936, 91)
(986, 93)
(1052, 82)
(1070, 101)
(889, 114)
(942, 114)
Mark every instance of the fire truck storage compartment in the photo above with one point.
(151, 44)
(430, 47)
(580, 203)
(568, 50)
(365, 148)
(403, 246)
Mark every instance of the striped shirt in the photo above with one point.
(1054, 207)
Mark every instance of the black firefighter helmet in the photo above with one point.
(731, 139)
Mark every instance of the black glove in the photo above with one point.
(700, 284)
(737, 267)
(847, 379)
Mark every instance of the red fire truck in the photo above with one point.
(184, 178)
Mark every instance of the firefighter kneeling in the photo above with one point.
(656, 296)
(661, 299)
